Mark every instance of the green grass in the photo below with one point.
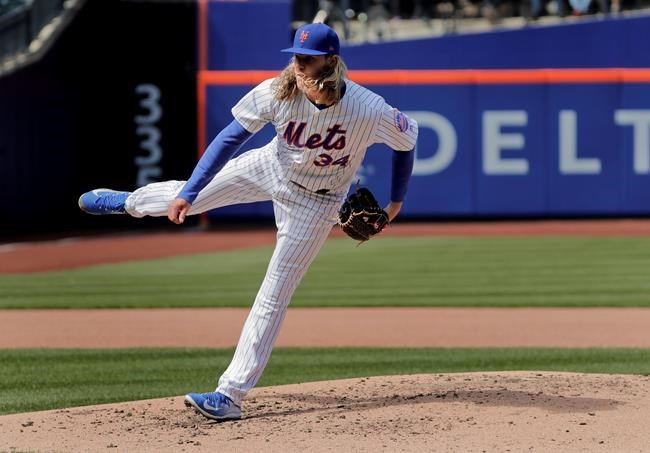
(47, 379)
(390, 271)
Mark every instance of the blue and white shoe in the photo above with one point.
(215, 405)
(103, 201)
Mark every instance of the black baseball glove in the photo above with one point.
(361, 217)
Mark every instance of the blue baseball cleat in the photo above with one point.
(103, 201)
(215, 405)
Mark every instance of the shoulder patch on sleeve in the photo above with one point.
(400, 120)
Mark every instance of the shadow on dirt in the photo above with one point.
(272, 406)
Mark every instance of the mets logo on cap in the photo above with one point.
(401, 121)
(304, 35)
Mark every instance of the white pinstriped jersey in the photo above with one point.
(317, 149)
(322, 149)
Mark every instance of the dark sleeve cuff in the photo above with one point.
(401, 174)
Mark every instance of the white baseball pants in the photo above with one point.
(304, 220)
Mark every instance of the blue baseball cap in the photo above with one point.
(314, 39)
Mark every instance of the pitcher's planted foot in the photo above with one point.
(214, 405)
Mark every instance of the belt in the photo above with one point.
(319, 191)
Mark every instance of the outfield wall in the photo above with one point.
(543, 121)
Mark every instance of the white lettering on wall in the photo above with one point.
(570, 164)
(149, 165)
(495, 141)
(447, 143)
(640, 122)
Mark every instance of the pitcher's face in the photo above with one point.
(309, 66)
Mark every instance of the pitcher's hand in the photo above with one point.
(177, 210)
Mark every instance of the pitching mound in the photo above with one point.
(514, 411)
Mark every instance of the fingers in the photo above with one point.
(183, 213)
(177, 211)
(173, 214)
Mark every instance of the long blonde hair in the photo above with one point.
(328, 82)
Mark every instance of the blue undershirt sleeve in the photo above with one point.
(402, 169)
(218, 153)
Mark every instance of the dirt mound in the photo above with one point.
(504, 411)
